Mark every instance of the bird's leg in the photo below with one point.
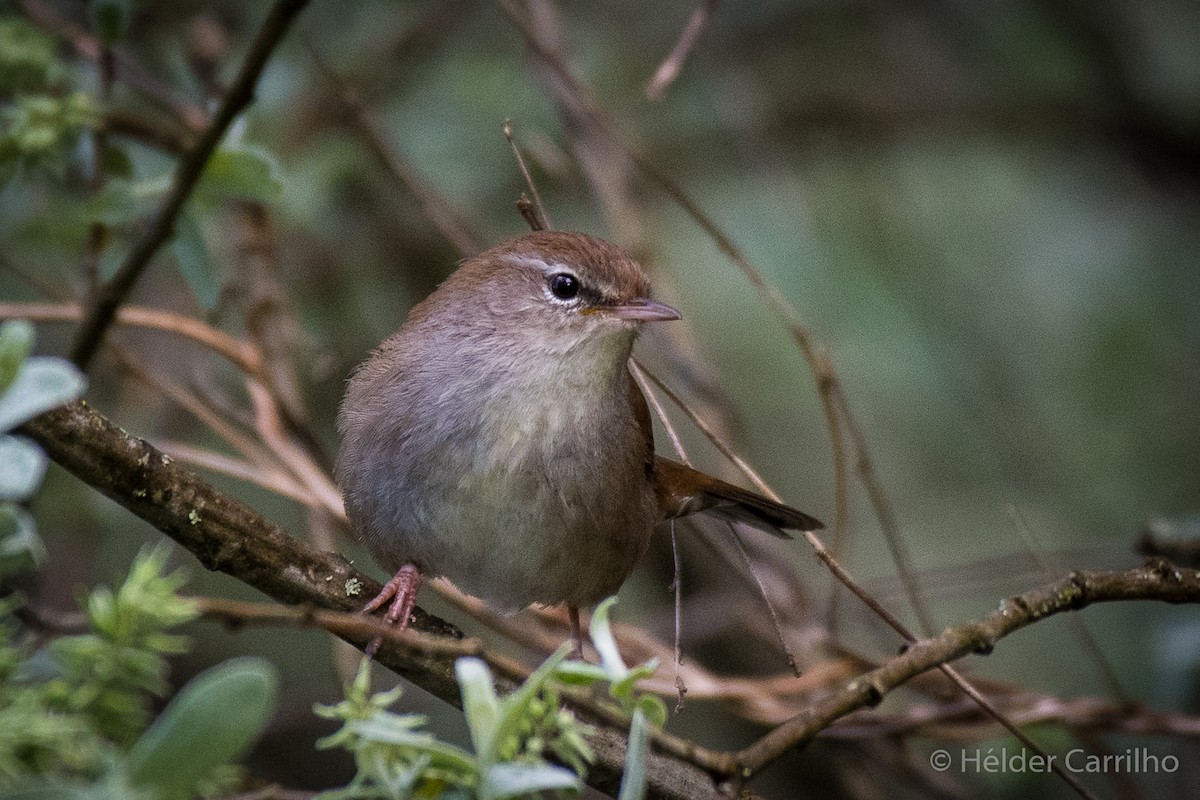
(576, 631)
(401, 590)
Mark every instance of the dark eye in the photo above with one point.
(564, 286)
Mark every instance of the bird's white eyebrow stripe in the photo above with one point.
(547, 267)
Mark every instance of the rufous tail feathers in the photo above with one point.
(682, 490)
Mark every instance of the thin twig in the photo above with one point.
(272, 480)
(111, 295)
(453, 226)
(539, 207)
(832, 401)
(677, 591)
(1078, 626)
(242, 355)
(97, 236)
(639, 372)
(990, 709)
(709, 433)
(762, 592)
(1077, 590)
(669, 69)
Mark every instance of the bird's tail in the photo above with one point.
(683, 490)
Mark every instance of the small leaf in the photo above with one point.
(212, 720)
(191, 253)
(606, 645)
(245, 172)
(521, 780)
(117, 203)
(515, 708)
(20, 546)
(22, 466)
(578, 673)
(654, 708)
(441, 754)
(480, 704)
(16, 340)
(43, 383)
(633, 785)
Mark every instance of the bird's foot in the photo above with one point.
(401, 591)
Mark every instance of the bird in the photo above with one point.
(499, 439)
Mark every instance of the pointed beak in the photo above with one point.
(643, 310)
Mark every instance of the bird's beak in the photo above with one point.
(643, 310)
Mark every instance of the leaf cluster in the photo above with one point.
(41, 117)
(75, 717)
(515, 739)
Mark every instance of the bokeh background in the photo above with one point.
(986, 214)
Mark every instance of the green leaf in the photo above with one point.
(16, 340)
(28, 57)
(42, 383)
(579, 673)
(110, 18)
(245, 172)
(521, 780)
(515, 708)
(212, 720)
(441, 754)
(117, 162)
(606, 645)
(121, 200)
(480, 704)
(654, 708)
(20, 546)
(191, 253)
(22, 465)
(633, 785)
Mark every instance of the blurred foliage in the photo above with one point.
(75, 716)
(41, 118)
(28, 387)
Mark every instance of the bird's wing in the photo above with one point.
(682, 490)
(641, 414)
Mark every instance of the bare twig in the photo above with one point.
(528, 212)
(1078, 590)
(539, 208)
(270, 479)
(97, 236)
(669, 69)
(762, 592)
(456, 228)
(111, 295)
(242, 355)
(1083, 634)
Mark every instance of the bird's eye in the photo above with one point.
(564, 286)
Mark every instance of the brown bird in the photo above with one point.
(499, 440)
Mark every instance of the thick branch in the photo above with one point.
(228, 536)
(1156, 581)
(110, 296)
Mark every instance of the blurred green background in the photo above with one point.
(986, 213)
